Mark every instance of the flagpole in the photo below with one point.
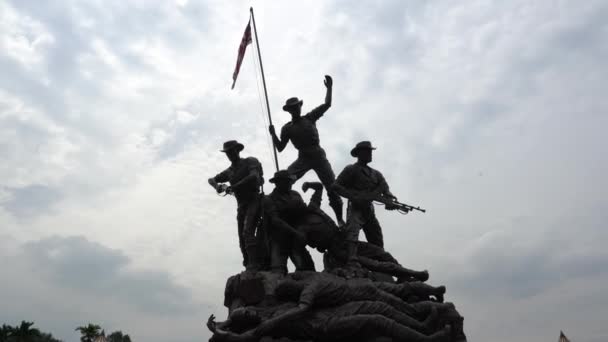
(257, 42)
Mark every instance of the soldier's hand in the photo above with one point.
(229, 190)
(311, 185)
(391, 206)
(220, 188)
(271, 130)
(328, 81)
(211, 324)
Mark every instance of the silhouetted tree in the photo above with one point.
(24, 333)
(89, 332)
(5, 332)
(118, 336)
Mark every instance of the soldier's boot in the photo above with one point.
(440, 292)
(408, 275)
(253, 259)
(422, 275)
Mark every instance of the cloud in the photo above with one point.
(23, 38)
(489, 115)
(523, 261)
(86, 266)
(87, 276)
(30, 200)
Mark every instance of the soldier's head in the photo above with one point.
(363, 152)
(289, 290)
(243, 319)
(282, 180)
(232, 148)
(293, 106)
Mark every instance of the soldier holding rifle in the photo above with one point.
(362, 185)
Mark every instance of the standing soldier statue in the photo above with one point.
(302, 131)
(362, 185)
(245, 176)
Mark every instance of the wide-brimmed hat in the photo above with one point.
(230, 144)
(292, 102)
(282, 174)
(360, 146)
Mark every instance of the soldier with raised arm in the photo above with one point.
(245, 176)
(303, 134)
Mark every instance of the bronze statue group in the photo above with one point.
(363, 293)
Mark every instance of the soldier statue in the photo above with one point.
(303, 134)
(245, 176)
(322, 233)
(325, 289)
(283, 208)
(362, 185)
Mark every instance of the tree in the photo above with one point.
(89, 332)
(118, 336)
(5, 332)
(24, 333)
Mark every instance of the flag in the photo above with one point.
(562, 337)
(244, 42)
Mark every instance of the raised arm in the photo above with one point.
(318, 112)
(329, 84)
(317, 196)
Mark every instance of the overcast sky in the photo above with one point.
(489, 114)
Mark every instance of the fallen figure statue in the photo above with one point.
(355, 320)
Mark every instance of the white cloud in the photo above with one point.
(490, 115)
(23, 38)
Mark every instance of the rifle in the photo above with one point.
(401, 207)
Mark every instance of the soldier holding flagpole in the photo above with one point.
(303, 134)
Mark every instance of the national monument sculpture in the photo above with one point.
(361, 292)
